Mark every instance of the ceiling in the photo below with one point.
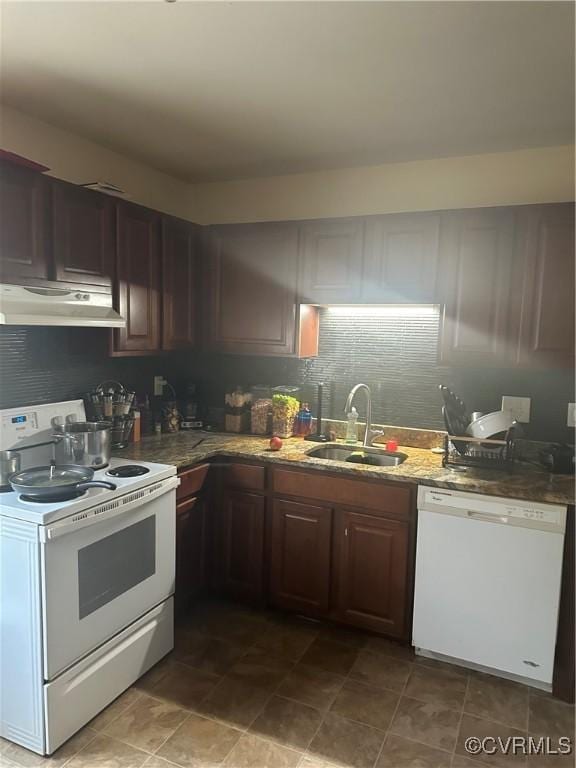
(209, 91)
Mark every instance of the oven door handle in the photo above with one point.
(108, 510)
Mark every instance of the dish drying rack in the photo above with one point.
(112, 402)
(479, 452)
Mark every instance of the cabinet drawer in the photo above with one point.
(191, 481)
(382, 497)
(248, 477)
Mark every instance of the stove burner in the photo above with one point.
(64, 496)
(128, 470)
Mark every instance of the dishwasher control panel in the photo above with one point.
(495, 509)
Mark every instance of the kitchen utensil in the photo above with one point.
(84, 443)
(9, 464)
(10, 460)
(491, 424)
(457, 414)
(55, 481)
(121, 429)
(110, 398)
(456, 418)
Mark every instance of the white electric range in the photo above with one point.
(86, 591)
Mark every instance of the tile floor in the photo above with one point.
(247, 689)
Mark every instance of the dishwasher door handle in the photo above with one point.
(473, 515)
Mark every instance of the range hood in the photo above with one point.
(34, 305)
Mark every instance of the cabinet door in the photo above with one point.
(332, 260)
(371, 570)
(179, 283)
(83, 240)
(253, 272)
(544, 320)
(190, 550)
(242, 545)
(138, 280)
(23, 211)
(300, 557)
(402, 258)
(477, 247)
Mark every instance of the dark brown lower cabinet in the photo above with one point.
(370, 568)
(241, 549)
(190, 551)
(300, 557)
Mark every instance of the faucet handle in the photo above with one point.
(372, 434)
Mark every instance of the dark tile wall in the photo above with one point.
(393, 351)
(42, 365)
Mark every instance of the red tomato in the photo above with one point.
(275, 443)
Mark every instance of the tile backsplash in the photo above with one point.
(393, 350)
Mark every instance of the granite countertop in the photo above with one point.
(526, 481)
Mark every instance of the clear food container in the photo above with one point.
(285, 407)
(261, 411)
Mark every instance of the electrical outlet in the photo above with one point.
(571, 418)
(519, 407)
(159, 382)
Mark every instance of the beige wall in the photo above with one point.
(504, 178)
(78, 160)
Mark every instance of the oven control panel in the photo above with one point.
(20, 425)
(32, 424)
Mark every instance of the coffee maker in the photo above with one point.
(189, 408)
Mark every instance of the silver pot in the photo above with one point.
(9, 464)
(84, 443)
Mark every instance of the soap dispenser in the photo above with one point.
(352, 426)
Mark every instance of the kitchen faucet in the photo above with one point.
(369, 433)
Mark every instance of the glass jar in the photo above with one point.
(261, 411)
(285, 407)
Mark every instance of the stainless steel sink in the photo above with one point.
(378, 457)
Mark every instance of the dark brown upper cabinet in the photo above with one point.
(83, 242)
(476, 277)
(332, 260)
(23, 208)
(137, 289)
(543, 289)
(253, 309)
(371, 572)
(401, 262)
(179, 283)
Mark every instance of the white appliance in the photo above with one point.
(36, 305)
(487, 589)
(86, 588)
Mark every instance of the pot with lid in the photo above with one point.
(84, 443)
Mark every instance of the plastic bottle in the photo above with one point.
(352, 426)
(304, 420)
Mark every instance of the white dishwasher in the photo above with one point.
(487, 588)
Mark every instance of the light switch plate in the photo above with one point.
(519, 407)
(571, 418)
(159, 382)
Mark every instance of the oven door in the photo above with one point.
(104, 568)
